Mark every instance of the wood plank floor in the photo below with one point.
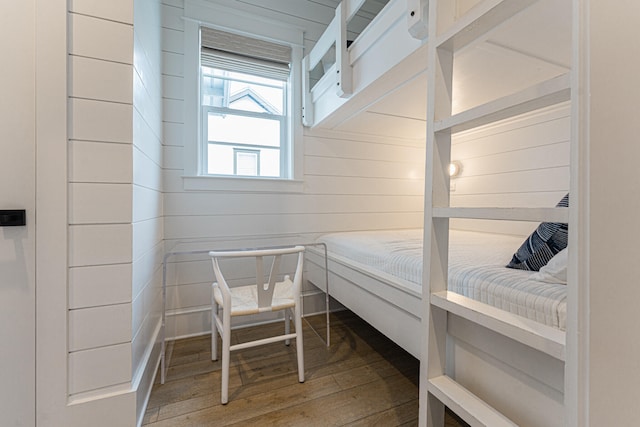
(363, 379)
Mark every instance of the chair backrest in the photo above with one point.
(264, 290)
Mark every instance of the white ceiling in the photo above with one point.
(529, 48)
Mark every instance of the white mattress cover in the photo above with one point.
(476, 268)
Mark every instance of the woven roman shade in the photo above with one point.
(233, 52)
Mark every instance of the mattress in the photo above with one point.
(476, 268)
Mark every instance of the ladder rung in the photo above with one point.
(465, 404)
(544, 94)
(536, 335)
(506, 214)
(480, 20)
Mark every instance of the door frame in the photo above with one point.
(51, 212)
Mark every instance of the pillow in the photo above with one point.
(555, 271)
(543, 244)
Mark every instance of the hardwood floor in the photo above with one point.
(363, 379)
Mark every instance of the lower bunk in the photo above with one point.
(505, 337)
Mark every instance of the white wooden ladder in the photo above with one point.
(446, 37)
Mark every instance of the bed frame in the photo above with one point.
(383, 57)
(387, 303)
(490, 367)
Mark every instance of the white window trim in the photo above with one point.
(200, 12)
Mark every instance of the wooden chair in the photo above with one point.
(252, 299)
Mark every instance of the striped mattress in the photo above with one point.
(476, 268)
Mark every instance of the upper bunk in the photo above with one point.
(376, 84)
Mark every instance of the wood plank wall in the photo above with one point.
(147, 196)
(100, 203)
(115, 197)
(350, 182)
(521, 162)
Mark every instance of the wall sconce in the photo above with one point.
(455, 168)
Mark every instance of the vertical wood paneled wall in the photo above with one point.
(350, 182)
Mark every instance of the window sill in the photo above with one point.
(242, 184)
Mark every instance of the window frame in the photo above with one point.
(198, 14)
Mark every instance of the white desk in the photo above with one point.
(183, 249)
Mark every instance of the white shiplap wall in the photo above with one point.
(350, 182)
(100, 202)
(115, 199)
(147, 197)
(520, 162)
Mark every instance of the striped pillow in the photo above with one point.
(542, 245)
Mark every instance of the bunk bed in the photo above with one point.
(489, 365)
(378, 274)
(384, 56)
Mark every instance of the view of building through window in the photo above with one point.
(244, 123)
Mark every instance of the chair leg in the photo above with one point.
(226, 355)
(287, 324)
(299, 344)
(214, 330)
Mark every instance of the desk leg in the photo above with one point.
(326, 295)
(163, 332)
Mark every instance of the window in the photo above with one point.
(244, 102)
(233, 42)
(247, 162)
